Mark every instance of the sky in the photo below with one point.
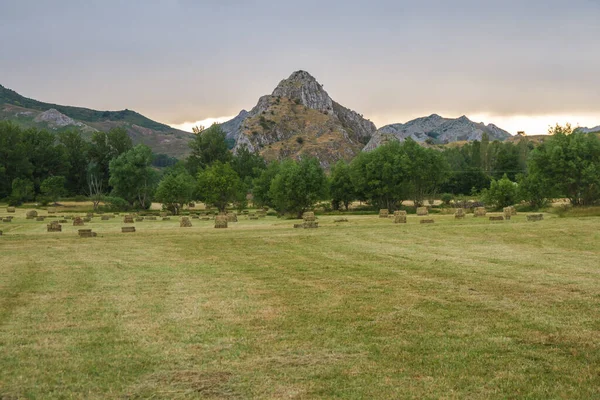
(522, 65)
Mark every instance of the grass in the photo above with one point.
(365, 309)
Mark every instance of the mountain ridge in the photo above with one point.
(28, 112)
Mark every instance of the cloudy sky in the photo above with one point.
(519, 64)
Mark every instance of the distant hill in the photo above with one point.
(436, 129)
(589, 130)
(27, 112)
(300, 119)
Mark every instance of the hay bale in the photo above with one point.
(427, 221)
(245, 212)
(185, 222)
(221, 221)
(309, 216)
(479, 212)
(139, 219)
(384, 213)
(105, 218)
(89, 215)
(86, 233)
(10, 209)
(497, 218)
(535, 217)
(252, 216)
(78, 221)
(341, 220)
(86, 219)
(6, 219)
(195, 217)
(128, 219)
(400, 217)
(31, 214)
(296, 226)
(232, 217)
(513, 211)
(166, 218)
(507, 213)
(422, 211)
(62, 221)
(192, 205)
(310, 224)
(459, 213)
(40, 219)
(54, 226)
(151, 218)
(128, 229)
(51, 210)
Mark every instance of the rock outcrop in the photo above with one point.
(300, 119)
(436, 129)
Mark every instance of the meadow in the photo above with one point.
(363, 309)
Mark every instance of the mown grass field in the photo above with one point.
(364, 309)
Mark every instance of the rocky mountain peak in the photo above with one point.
(304, 88)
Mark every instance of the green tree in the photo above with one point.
(104, 147)
(426, 171)
(341, 187)
(22, 191)
(132, 176)
(502, 193)
(379, 176)
(54, 187)
(175, 190)
(219, 185)
(208, 147)
(14, 158)
(247, 165)
(298, 186)
(75, 149)
(261, 185)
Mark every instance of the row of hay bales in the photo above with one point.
(309, 221)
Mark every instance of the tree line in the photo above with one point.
(108, 169)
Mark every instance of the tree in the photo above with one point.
(132, 176)
(76, 152)
(426, 171)
(219, 185)
(247, 165)
(208, 146)
(22, 191)
(379, 176)
(341, 187)
(14, 159)
(261, 185)
(502, 193)
(95, 184)
(53, 187)
(106, 146)
(567, 164)
(298, 186)
(175, 190)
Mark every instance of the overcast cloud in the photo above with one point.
(392, 60)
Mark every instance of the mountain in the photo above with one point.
(589, 130)
(436, 129)
(300, 119)
(29, 113)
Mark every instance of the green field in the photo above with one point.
(364, 309)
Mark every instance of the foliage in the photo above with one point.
(447, 198)
(22, 191)
(502, 193)
(261, 185)
(341, 187)
(208, 147)
(54, 187)
(219, 185)
(248, 165)
(298, 186)
(132, 176)
(175, 190)
(567, 165)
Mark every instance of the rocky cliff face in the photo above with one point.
(436, 129)
(590, 130)
(300, 119)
